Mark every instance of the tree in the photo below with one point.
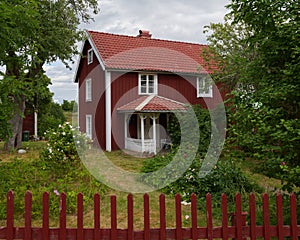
(259, 55)
(50, 117)
(35, 32)
(69, 106)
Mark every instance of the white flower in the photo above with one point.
(187, 217)
(185, 203)
(63, 133)
(50, 150)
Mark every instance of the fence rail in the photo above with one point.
(238, 230)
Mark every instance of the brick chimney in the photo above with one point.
(144, 34)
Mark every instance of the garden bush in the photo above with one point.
(225, 177)
(58, 170)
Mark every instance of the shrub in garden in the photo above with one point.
(225, 177)
(58, 170)
(64, 145)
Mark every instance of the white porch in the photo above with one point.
(148, 134)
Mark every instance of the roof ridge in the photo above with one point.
(144, 103)
(149, 39)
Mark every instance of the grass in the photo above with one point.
(122, 160)
(132, 164)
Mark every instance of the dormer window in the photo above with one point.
(147, 84)
(204, 87)
(90, 56)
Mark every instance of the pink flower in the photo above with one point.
(282, 163)
(56, 192)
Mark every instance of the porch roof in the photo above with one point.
(153, 103)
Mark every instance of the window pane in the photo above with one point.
(151, 82)
(143, 89)
(143, 77)
(151, 77)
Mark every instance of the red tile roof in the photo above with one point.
(141, 53)
(153, 103)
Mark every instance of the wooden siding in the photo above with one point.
(96, 107)
(28, 122)
(123, 90)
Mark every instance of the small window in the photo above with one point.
(88, 126)
(88, 90)
(147, 84)
(90, 56)
(204, 87)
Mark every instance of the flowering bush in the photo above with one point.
(64, 144)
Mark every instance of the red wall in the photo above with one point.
(28, 122)
(124, 90)
(96, 107)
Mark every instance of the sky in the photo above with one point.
(165, 19)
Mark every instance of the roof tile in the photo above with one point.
(139, 53)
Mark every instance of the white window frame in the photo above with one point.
(90, 56)
(202, 80)
(88, 90)
(147, 84)
(88, 125)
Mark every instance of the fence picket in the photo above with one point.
(130, 235)
(45, 224)
(80, 235)
(97, 216)
(28, 208)
(238, 216)
(10, 215)
(266, 216)
(224, 217)
(194, 216)
(252, 210)
(162, 217)
(62, 217)
(279, 214)
(178, 216)
(113, 214)
(209, 220)
(146, 217)
(293, 212)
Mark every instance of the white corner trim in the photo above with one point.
(108, 110)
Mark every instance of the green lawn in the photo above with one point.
(122, 160)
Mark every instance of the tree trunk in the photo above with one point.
(15, 141)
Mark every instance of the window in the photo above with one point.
(204, 87)
(88, 90)
(88, 126)
(90, 56)
(147, 84)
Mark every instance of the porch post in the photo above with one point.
(142, 117)
(125, 129)
(154, 117)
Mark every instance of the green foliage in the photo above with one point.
(258, 51)
(64, 146)
(38, 177)
(50, 117)
(204, 123)
(225, 177)
(69, 106)
(34, 33)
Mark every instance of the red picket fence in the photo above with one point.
(239, 230)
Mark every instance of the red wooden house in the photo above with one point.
(129, 85)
